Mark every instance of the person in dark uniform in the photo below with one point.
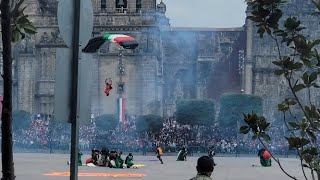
(159, 153)
(211, 153)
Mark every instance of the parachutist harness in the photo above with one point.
(108, 82)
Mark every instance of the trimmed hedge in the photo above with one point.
(195, 112)
(149, 123)
(21, 120)
(106, 122)
(232, 107)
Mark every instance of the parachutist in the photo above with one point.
(108, 83)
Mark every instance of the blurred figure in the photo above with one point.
(129, 160)
(205, 168)
(211, 153)
(182, 155)
(119, 161)
(159, 153)
(95, 155)
(103, 161)
(265, 157)
(80, 158)
(108, 88)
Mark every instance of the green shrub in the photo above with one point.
(233, 106)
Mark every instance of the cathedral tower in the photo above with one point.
(35, 58)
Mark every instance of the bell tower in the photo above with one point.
(142, 67)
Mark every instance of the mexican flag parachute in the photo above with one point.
(127, 42)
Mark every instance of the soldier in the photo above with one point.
(119, 161)
(211, 153)
(159, 153)
(205, 168)
(265, 157)
(129, 160)
(108, 88)
(80, 158)
(182, 155)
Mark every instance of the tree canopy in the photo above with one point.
(232, 107)
(149, 123)
(21, 120)
(298, 62)
(106, 122)
(195, 112)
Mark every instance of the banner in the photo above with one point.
(121, 111)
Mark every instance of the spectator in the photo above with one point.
(204, 168)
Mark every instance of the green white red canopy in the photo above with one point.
(125, 41)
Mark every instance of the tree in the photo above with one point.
(232, 107)
(298, 62)
(195, 112)
(149, 123)
(21, 120)
(106, 122)
(14, 26)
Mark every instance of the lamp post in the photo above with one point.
(121, 73)
(241, 70)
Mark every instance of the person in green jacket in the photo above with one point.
(182, 155)
(129, 160)
(119, 161)
(265, 159)
(80, 158)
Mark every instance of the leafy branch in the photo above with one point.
(300, 69)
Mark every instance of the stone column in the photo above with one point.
(159, 96)
(248, 64)
(148, 5)
(96, 5)
(26, 83)
(148, 83)
(111, 5)
(132, 5)
(96, 91)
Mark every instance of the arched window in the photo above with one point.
(138, 5)
(103, 4)
(121, 3)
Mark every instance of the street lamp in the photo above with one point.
(241, 69)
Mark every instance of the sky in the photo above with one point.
(206, 13)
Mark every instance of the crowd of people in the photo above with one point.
(107, 158)
(43, 133)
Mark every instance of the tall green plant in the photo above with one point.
(21, 120)
(300, 66)
(195, 112)
(15, 25)
(149, 123)
(106, 122)
(232, 106)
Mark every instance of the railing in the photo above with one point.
(121, 10)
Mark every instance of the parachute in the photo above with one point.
(127, 42)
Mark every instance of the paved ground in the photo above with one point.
(32, 167)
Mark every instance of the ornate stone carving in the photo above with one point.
(54, 39)
(48, 7)
(44, 38)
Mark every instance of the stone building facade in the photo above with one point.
(170, 63)
(259, 70)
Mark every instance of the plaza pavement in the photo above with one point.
(30, 166)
